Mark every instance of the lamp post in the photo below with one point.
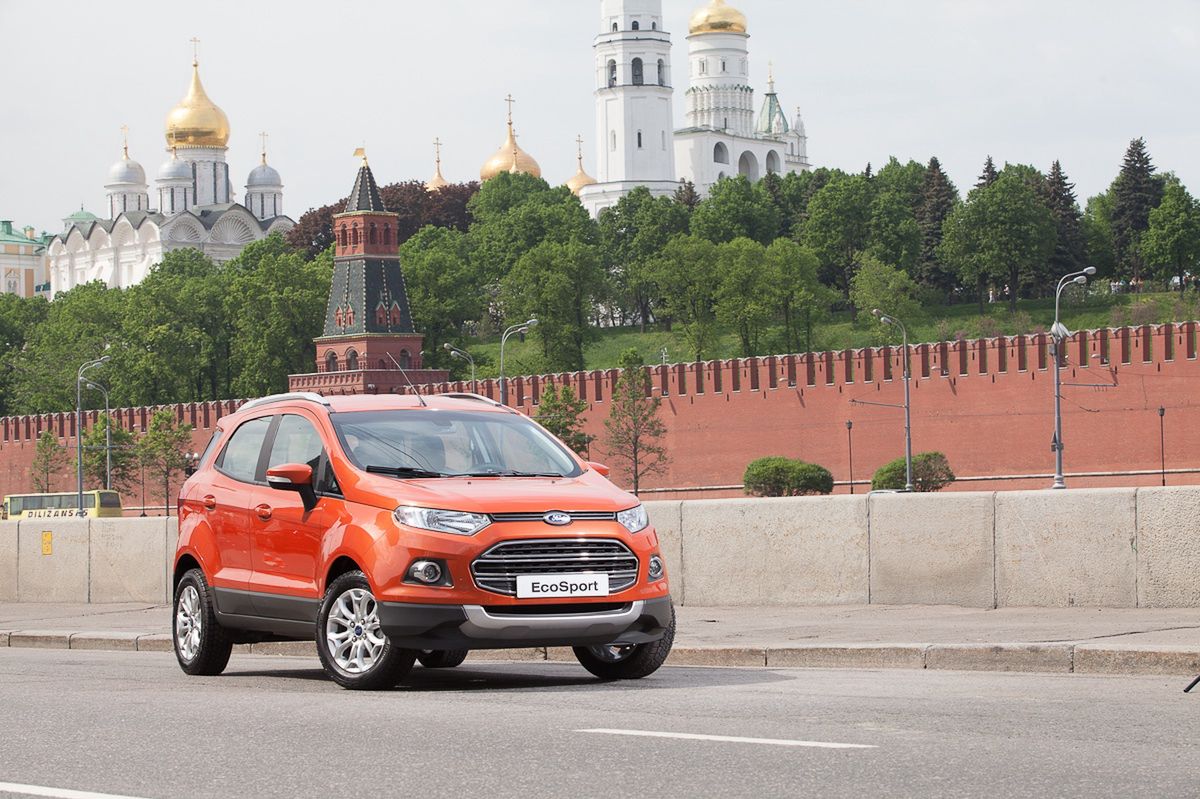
(1162, 441)
(521, 327)
(455, 352)
(107, 433)
(850, 447)
(1058, 334)
(79, 424)
(891, 320)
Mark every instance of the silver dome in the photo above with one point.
(263, 175)
(126, 171)
(174, 169)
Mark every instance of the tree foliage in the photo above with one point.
(163, 449)
(561, 412)
(49, 458)
(1171, 245)
(633, 427)
(838, 228)
(736, 208)
(930, 472)
(785, 477)
(893, 292)
(96, 455)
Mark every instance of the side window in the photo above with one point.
(239, 459)
(297, 441)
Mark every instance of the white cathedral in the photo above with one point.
(637, 141)
(192, 205)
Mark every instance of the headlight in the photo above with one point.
(441, 521)
(634, 519)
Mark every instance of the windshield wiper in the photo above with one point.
(403, 471)
(510, 473)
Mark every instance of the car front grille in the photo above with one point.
(576, 516)
(496, 569)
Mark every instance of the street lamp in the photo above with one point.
(520, 327)
(79, 423)
(850, 446)
(455, 352)
(1162, 441)
(1058, 334)
(107, 433)
(891, 320)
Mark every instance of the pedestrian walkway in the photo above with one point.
(1082, 640)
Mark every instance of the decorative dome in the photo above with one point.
(510, 158)
(581, 178)
(437, 181)
(174, 169)
(197, 121)
(716, 17)
(126, 171)
(263, 175)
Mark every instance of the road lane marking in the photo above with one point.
(57, 793)
(732, 739)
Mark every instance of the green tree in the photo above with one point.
(632, 234)
(558, 284)
(687, 196)
(748, 291)
(878, 285)
(1172, 242)
(561, 412)
(19, 317)
(163, 448)
(1069, 250)
(938, 199)
(736, 208)
(634, 429)
(904, 179)
(930, 472)
(1136, 192)
(49, 458)
(95, 455)
(989, 174)
(838, 228)
(784, 477)
(801, 297)
(1099, 243)
(444, 290)
(895, 236)
(687, 275)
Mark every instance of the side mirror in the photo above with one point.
(294, 477)
(599, 467)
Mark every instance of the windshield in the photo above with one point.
(430, 442)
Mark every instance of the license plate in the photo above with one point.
(534, 586)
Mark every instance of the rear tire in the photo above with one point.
(202, 646)
(442, 658)
(631, 662)
(353, 649)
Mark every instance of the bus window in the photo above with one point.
(110, 499)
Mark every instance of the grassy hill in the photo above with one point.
(838, 331)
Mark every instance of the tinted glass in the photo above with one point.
(110, 499)
(451, 442)
(240, 458)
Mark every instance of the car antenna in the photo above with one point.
(420, 399)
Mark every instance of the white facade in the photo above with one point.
(722, 136)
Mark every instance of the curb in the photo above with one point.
(1056, 658)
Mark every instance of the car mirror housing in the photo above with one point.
(296, 477)
(599, 467)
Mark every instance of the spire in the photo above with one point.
(365, 194)
(770, 77)
(125, 138)
(581, 178)
(263, 136)
(437, 181)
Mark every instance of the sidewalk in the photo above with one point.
(1080, 640)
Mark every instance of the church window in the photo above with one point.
(722, 64)
(635, 25)
(387, 234)
(653, 26)
(349, 316)
(662, 72)
(371, 234)
(338, 317)
(381, 315)
(638, 72)
(721, 153)
(395, 315)
(331, 362)
(615, 28)
(639, 139)
(351, 361)
(703, 67)
(614, 141)
(354, 236)
(612, 71)
(405, 360)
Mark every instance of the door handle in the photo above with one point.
(209, 502)
(263, 512)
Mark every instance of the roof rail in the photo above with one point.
(475, 397)
(307, 396)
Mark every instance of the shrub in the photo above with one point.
(784, 477)
(931, 472)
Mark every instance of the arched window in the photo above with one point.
(612, 73)
(351, 361)
(748, 166)
(635, 25)
(653, 26)
(354, 236)
(405, 360)
(772, 162)
(371, 233)
(639, 139)
(639, 77)
(662, 72)
(615, 28)
(341, 236)
(387, 234)
(721, 153)
(723, 65)
(331, 362)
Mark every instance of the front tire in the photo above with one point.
(442, 658)
(353, 649)
(202, 646)
(628, 662)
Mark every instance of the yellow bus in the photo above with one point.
(51, 506)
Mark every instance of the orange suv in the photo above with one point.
(402, 528)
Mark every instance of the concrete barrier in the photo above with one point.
(667, 518)
(1066, 548)
(1168, 550)
(794, 551)
(933, 549)
(126, 560)
(52, 560)
(8, 562)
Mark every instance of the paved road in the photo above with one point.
(132, 724)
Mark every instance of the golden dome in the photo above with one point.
(437, 181)
(581, 178)
(510, 158)
(716, 17)
(197, 121)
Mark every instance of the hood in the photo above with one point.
(587, 492)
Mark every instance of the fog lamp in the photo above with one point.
(656, 567)
(426, 571)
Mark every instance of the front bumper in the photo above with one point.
(412, 626)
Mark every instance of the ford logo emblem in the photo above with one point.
(557, 518)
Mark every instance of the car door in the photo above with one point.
(286, 538)
(226, 500)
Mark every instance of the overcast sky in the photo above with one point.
(1026, 81)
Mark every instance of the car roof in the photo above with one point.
(378, 402)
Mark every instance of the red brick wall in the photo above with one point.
(987, 404)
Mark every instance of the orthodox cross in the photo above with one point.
(195, 50)
(263, 137)
(437, 150)
(125, 137)
(509, 99)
